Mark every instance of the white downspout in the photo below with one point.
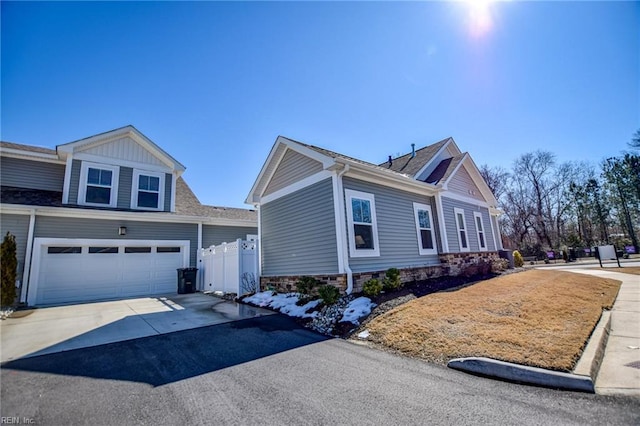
(27, 257)
(343, 229)
(199, 259)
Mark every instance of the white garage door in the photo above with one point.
(87, 270)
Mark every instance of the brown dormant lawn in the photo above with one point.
(537, 317)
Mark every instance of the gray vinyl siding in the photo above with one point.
(217, 234)
(462, 183)
(168, 181)
(21, 173)
(74, 182)
(18, 225)
(397, 234)
(298, 232)
(124, 187)
(448, 205)
(293, 167)
(64, 227)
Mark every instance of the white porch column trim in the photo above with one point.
(441, 224)
(174, 178)
(27, 257)
(341, 227)
(200, 275)
(67, 179)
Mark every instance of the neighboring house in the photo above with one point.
(105, 217)
(344, 220)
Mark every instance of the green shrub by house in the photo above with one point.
(329, 294)
(392, 280)
(8, 269)
(305, 286)
(372, 287)
(518, 261)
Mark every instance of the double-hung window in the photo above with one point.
(147, 192)
(98, 185)
(363, 228)
(482, 242)
(424, 227)
(461, 225)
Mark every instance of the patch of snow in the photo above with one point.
(285, 303)
(357, 309)
(5, 313)
(363, 334)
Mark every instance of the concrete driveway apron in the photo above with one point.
(61, 328)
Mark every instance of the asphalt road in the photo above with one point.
(270, 371)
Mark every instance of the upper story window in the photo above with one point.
(482, 243)
(424, 226)
(363, 228)
(461, 225)
(148, 190)
(98, 185)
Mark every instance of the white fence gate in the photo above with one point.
(230, 267)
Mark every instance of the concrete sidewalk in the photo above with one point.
(619, 372)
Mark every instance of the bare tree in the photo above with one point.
(497, 178)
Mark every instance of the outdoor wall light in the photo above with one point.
(122, 230)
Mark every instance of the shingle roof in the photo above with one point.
(30, 197)
(443, 170)
(334, 154)
(188, 204)
(410, 166)
(31, 148)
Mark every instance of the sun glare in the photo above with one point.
(480, 19)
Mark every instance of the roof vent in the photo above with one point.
(413, 150)
(390, 161)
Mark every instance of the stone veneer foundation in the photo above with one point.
(451, 264)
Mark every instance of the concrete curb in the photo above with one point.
(591, 359)
(523, 374)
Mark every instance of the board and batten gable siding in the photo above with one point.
(298, 233)
(463, 184)
(448, 205)
(22, 173)
(397, 234)
(123, 148)
(213, 235)
(18, 225)
(293, 167)
(65, 227)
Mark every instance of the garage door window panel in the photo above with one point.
(103, 250)
(168, 249)
(64, 250)
(137, 250)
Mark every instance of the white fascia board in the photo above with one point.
(134, 134)
(120, 215)
(326, 160)
(30, 155)
(469, 200)
(302, 183)
(251, 198)
(404, 183)
(436, 155)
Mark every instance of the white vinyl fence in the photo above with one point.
(230, 267)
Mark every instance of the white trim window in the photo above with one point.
(363, 227)
(482, 239)
(424, 228)
(461, 227)
(147, 191)
(98, 185)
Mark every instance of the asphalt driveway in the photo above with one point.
(268, 370)
(62, 328)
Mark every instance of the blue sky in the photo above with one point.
(215, 83)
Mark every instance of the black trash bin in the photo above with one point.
(187, 280)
